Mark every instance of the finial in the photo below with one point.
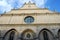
(29, 2)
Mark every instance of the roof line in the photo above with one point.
(29, 14)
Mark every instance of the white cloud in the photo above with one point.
(4, 7)
(7, 5)
(15, 3)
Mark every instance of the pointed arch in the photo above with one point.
(58, 31)
(45, 34)
(58, 34)
(28, 30)
(28, 34)
(10, 32)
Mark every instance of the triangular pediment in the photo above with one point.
(29, 5)
(29, 8)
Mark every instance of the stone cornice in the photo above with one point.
(34, 24)
(22, 14)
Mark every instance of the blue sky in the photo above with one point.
(8, 5)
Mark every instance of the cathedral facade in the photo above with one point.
(30, 23)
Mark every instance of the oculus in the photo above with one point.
(29, 19)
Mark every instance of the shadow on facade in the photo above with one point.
(29, 34)
(45, 34)
(58, 34)
(10, 35)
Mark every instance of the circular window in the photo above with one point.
(28, 35)
(29, 19)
